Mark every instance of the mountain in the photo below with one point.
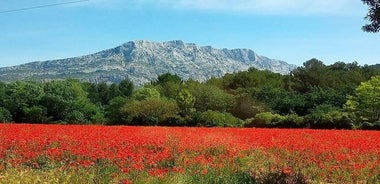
(143, 61)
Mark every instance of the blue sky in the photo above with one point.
(290, 30)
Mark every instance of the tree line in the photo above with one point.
(315, 95)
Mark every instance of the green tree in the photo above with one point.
(167, 77)
(58, 99)
(92, 92)
(114, 112)
(282, 101)
(114, 91)
(146, 92)
(185, 101)
(84, 112)
(103, 92)
(152, 111)
(169, 89)
(328, 116)
(246, 107)
(210, 97)
(168, 85)
(311, 74)
(5, 115)
(253, 78)
(365, 103)
(327, 96)
(264, 119)
(3, 93)
(20, 97)
(215, 118)
(36, 114)
(67, 101)
(126, 87)
(373, 16)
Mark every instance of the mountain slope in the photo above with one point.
(143, 61)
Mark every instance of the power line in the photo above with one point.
(42, 6)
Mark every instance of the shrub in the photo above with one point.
(246, 107)
(36, 114)
(152, 111)
(5, 115)
(211, 98)
(145, 93)
(265, 119)
(289, 121)
(193, 119)
(114, 111)
(370, 126)
(327, 116)
(214, 118)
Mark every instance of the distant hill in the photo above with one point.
(376, 66)
(143, 61)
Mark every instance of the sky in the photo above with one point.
(290, 30)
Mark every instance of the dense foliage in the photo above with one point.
(314, 95)
(373, 16)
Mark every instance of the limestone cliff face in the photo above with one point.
(143, 61)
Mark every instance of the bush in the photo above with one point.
(5, 115)
(208, 97)
(326, 116)
(152, 111)
(75, 117)
(289, 121)
(214, 118)
(36, 114)
(193, 119)
(145, 93)
(114, 111)
(265, 119)
(370, 126)
(246, 107)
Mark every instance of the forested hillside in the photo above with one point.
(314, 95)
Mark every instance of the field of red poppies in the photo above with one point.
(117, 154)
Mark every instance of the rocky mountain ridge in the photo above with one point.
(143, 61)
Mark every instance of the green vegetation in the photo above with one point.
(314, 95)
(104, 173)
(365, 103)
(373, 16)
